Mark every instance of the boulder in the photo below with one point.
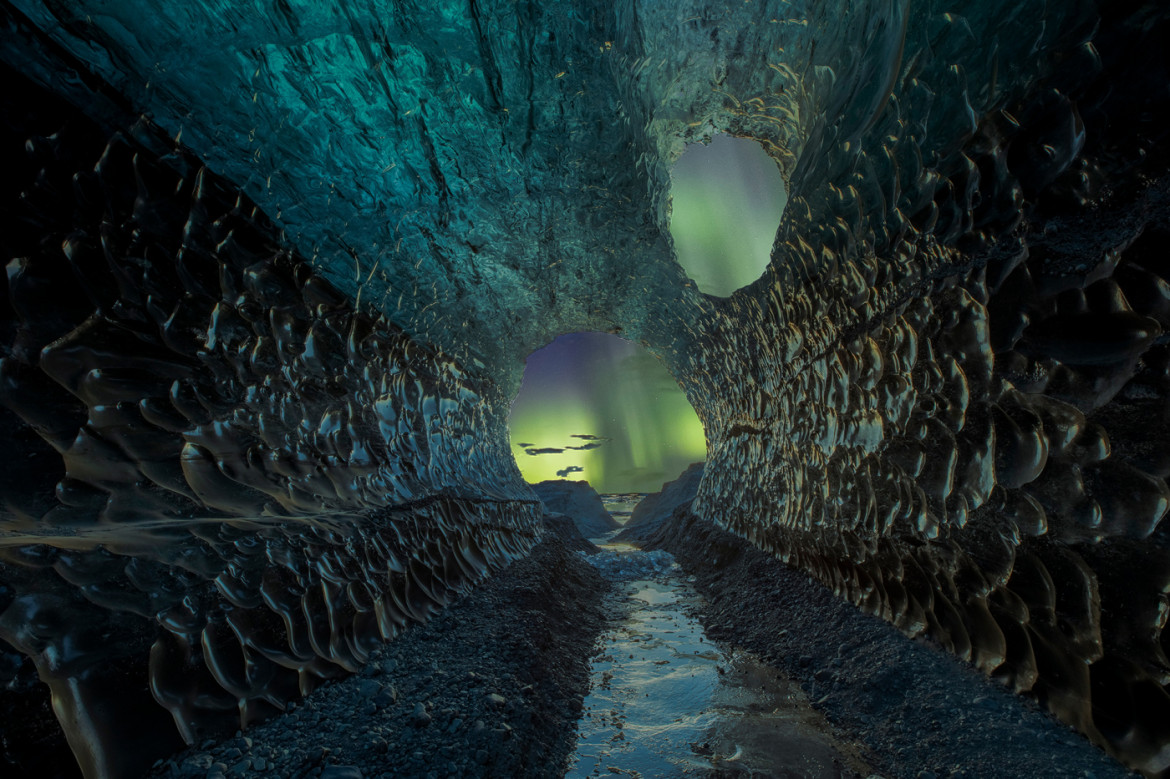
(579, 501)
(658, 506)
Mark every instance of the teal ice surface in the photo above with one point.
(494, 174)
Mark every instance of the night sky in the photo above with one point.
(616, 402)
(727, 199)
(598, 408)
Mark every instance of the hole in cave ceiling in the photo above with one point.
(599, 408)
(727, 198)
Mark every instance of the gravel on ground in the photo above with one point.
(493, 686)
(915, 710)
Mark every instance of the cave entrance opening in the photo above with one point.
(599, 408)
(727, 197)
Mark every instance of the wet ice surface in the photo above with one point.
(667, 702)
(621, 505)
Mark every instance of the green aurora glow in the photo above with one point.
(593, 384)
(727, 200)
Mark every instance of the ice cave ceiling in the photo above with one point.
(273, 269)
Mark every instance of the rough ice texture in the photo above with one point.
(578, 500)
(227, 485)
(946, 397)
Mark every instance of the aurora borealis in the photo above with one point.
(616, 403)
(602, 409)
(727, 200)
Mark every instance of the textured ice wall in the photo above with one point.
(463, 164)
(947, 395)
(223, 484)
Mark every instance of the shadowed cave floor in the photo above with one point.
(494, 685)
(914, 710)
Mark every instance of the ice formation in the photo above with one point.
(273, 269)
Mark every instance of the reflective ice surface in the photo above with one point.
(667, 702)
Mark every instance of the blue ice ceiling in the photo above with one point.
(338, 229)
(487, 174)
(449, 162)
(492, 175)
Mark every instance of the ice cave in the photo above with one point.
(273, 271)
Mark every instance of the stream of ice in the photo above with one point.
(665, 701)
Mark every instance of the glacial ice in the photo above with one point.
(273, 269)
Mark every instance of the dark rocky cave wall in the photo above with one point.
(223, 485)
(946, 397)
(948, 402)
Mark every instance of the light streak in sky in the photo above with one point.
(613, 411)
(726, 202)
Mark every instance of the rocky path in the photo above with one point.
(916, 711)
(667, 701)
(491, 687)
(499, 684)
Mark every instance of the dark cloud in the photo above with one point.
(523, 445)
(571, 469)
(588, 437)
(590, 445)
(546, 450)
